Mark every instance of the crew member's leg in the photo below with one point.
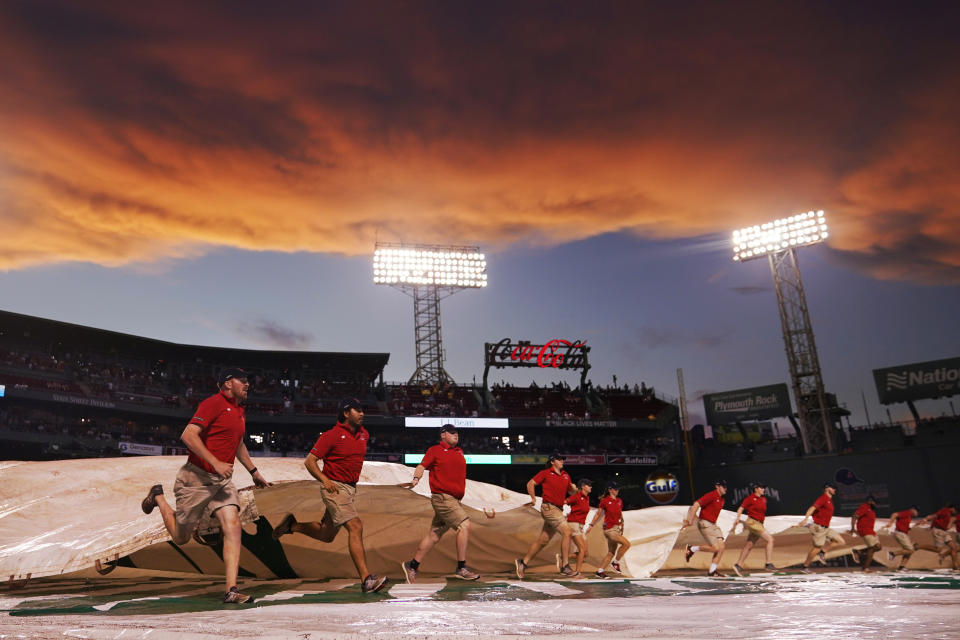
(229, 518)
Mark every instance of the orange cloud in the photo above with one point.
(132, 137)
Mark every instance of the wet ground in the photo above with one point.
(781, 606)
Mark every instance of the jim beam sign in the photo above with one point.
(755, 403)
(918, 381)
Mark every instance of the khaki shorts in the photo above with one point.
(710, 531)
(448, 513)
(871, 540)
(612, 543)
(904, 541)
(197, 491)
(755, 529)
(941, 537)
(576, 528)
(341, 506)
(553, 519)
(821, 534)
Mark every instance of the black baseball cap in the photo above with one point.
(584, 482)
(555, 456)
(349, 403)
(448, 428)
(829, 485)
(613, 484)
(229, 373)
(872, 498)
(720, 482)
(755, 484)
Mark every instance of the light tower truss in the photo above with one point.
(429, 273)
(778, 241)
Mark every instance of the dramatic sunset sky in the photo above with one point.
(218, 173)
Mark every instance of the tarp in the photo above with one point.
(64, 516)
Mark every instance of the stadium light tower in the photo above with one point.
(429, 273)
(779, 241)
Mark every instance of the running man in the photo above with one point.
(822, 512)
(943, 542)
(900, 520)
(448, 482)
(577, 519)
(214, 437)
(755, 506)
(612, 509)
(862, 523)
(709, 505)
(556, 485)
(342, 449)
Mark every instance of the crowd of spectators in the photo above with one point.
(278, 393)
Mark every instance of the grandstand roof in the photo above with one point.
(15, 328)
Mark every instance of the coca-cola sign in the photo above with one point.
(553, 354)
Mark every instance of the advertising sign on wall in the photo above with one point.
(918, 381)
(754, 403)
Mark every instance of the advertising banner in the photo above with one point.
(472, 458)
(754, 403)
(646, 461)
(918, 381)
(597, 458)
(459, 423)
(137, 449)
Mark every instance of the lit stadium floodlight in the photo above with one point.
(778, 242)
(796, 231)
(426, 266)
(428, 273)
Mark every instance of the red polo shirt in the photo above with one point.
(755, 507)
(866, 518)
(448, 469)
(555, 485)
(941, 519)
(222, 424)
(342, 452)
(823, 510)
(710, 506)
(612, 510)
(903, 521)
(579, 508)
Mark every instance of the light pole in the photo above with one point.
(429, 273)
(779, 241)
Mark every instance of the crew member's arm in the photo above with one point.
(417, 474)
(244, 457)
(532, 490)
(191, 438)
(892, 521)
(596, 517)
(807, 515)
(314, 469)
(691, 513)
(736, 520)
(853, 523)
(572, 489)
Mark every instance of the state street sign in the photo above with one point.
(918, 381)
(754, 403)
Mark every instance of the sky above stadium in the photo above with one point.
(219, 175)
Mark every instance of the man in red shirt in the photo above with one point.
(822, 512)
(341, 449)
(862, 523)
(755, 506)
(214, 437)
(943, 542)
(448, 480)
(577, 519)
(709, 505)
(900, 520)
(556, 485)
(612, 509)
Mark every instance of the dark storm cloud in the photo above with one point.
(271, 334)
(502, 122)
